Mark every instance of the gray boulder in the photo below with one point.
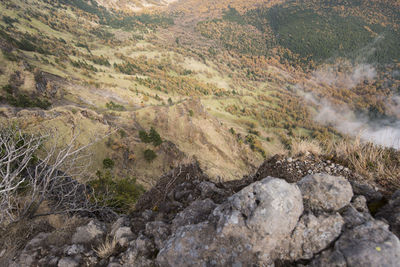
(369, 244)
(123, 235)
(68, 262)
(248, 228)
(313, 234)
(89, 233)
(353, 218)
(74, 249)
(138, 253)
(159, 231)
(323, 192)
(120, 222)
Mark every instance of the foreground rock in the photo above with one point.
(391, 213)
(325, 193)
(248, 227)
(369, 244)
(317, 221)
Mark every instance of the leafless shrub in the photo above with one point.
(34, 168)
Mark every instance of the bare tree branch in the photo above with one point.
(27, 179)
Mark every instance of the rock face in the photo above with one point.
(313, 234)
(248, 227)
(314, 222)
(369, 244)
(325, 192)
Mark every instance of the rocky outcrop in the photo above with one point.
(317, 221)
(323, 192)
(248, 227)
(369, 244)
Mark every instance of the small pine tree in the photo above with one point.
(149, 155)
(155, 137)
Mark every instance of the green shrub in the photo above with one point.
(152, 137)
(10, 56)
(144, 137)
(149, 155)
(114, 106)
(17, 99)
(108, 163)
(255, 132)
(122, 133)
(8, 20)
(155, 138)
(119, 194)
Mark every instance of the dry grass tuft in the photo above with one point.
(301, 147)
(106, 249)
(369, 160)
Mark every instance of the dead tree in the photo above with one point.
(35, 169)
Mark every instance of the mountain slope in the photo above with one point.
(227, 82)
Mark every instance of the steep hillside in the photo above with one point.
(228, 82)
(131, 132)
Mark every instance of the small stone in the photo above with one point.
(123, 235)
(209, 189)
(114, 264)
(360, 203)
(289, 160)
(67, 262)
(147, 215)
(120, 222)
(53, 261)
(73, 250)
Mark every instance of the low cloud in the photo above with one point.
(336, 76)
(342, 118)
(382, 133)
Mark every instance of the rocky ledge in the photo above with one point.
(187, 220)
